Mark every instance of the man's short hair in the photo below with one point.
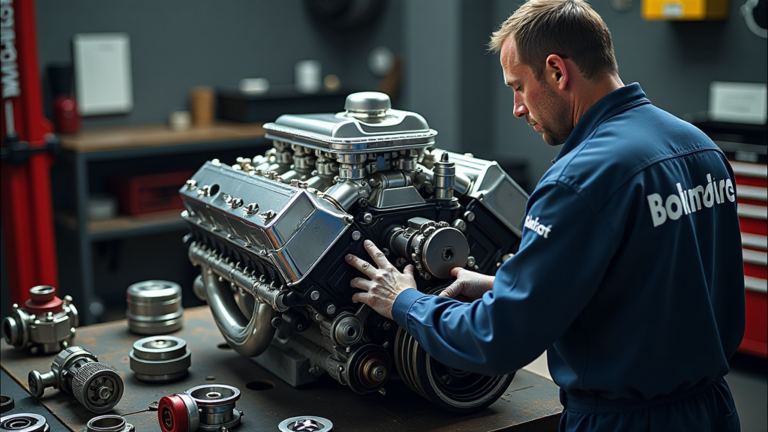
(568, 28)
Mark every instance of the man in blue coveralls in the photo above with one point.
(637, 290)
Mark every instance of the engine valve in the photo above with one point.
(46, 324)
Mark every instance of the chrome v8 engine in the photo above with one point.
(270, 234)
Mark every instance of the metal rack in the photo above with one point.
(112, 144)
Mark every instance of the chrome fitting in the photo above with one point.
(160, 358)
(154, 307)
(45, 325)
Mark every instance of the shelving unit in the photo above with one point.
(82, 150)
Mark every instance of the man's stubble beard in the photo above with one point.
(555, 111)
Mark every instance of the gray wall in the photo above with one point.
(674, 62)
(178, 44)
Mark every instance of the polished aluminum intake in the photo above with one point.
(269, 234)
(160, 358)
(108, 423)
(45, 324)
(24, 422)
(209, 407)
(154, 307)
(78, 372)
(305, 423)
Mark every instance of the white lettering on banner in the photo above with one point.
(8, 53)
(688, 201)
(534, 225)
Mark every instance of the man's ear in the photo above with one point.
(556, 71)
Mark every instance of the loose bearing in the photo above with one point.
(306, 424)
(24, 422)
(154, 307)
(209, 407)
(108, 423)
(160, 358)
(75, 370)
(6, 404)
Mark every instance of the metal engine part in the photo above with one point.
(305, 424)
(270, 233)
(24, 422)
(46, 324)
(154, 307)
(6, 404)
(78, 372)
(209, 407)
(160, 358)
(108, 423)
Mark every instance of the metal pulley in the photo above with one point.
(24, 422)
(108, 423)
(306, 424)
(75, 370)
(160, 358)
(435, 248)
(154, 307)
(209, 407)
(45, 324)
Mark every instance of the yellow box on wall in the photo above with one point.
(685, 10)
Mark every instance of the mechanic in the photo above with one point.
(635, 286)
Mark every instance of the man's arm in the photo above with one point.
(536, 295)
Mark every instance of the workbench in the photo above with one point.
(530, 404)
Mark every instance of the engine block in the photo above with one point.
(270, 234)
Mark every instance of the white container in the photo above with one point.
(308, 76)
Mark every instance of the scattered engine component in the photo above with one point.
(24, 422)
(154, 307)
(46, 324)
(208, 407)
(108, 423)
(78, 372)
(306, 423)
(6, 404)
(270, 234)
(160, 358)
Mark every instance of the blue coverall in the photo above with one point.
(629, 274)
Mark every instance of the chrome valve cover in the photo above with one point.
(270, 234)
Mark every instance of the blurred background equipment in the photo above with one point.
(203, 102)
(66, 117)
(103, 77)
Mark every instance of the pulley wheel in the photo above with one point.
(452, 389)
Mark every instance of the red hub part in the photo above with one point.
(43, 300)
(172, 414)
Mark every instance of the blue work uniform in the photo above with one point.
(629, 274)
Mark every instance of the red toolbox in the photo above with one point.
(143, 194)
(751, 193)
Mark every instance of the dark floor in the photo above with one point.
(748, 381)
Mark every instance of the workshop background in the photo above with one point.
(447, 76)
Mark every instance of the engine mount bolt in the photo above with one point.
(191, 184)
(331, 309)
(277, 322)
(362, 202)
(314, 295)
(251, 209)
(387, 325)
(460, 225)
(470, 261)
(367, 218)
(356, 235)
(469, 216)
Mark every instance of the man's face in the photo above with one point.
(535, 100)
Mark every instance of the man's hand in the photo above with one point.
(469, 286)
(384, 283)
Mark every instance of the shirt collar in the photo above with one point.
(611, 104)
